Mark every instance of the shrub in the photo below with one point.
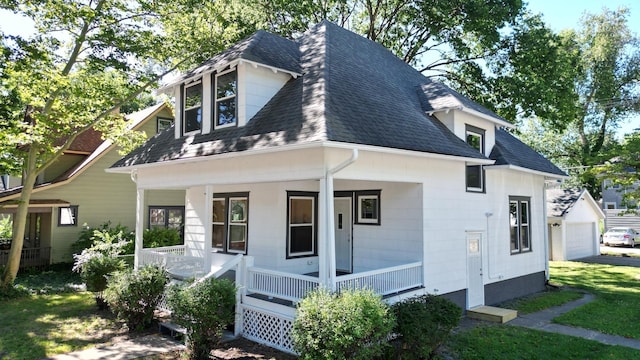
(204, 309)
(423, 324)
(105, 234)
(354, 324)
(134, 295)
(156, 237)
(94, 271)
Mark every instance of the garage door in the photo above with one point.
(580, 240)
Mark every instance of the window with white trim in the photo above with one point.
(368, 207)
(192, 115)
(230, 222)
(68, 216)
(163, 123)
(301, 223)
(226, 89)
(519, 226)
(475, 173)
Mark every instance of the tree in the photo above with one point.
(429, 34)
(575, 87)
(624, 170)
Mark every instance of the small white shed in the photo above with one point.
(573, 218)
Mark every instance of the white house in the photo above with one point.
(574, 224)
(327, 161)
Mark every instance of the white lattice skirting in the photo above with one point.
(267, 328)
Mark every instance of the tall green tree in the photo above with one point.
(86, 59)
(576, 86)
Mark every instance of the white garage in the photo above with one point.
(573, 219)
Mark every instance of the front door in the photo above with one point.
(475, 286)
(342, 223)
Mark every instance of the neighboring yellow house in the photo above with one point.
(77, 192)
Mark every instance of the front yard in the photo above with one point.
(63, 320)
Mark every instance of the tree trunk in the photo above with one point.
(20, 220)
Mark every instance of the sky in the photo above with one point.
(558, 14)
(565, 14)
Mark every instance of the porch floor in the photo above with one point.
(492, 314)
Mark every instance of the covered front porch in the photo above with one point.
(273, 284)
(282, 226)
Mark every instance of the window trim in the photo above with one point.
(367, 194)
(184, 107)
(314, 231)
(519, 200)
(74, 211)
(481, 133)
(227, 197)
(216, 100)
(159, 120)
(167, 208)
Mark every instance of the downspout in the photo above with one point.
(546, 231)
(330, 233)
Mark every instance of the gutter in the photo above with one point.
(330, 237)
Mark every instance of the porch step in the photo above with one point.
(175, 331)
(492, 314)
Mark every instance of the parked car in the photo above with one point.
(621, 236)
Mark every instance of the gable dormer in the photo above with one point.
(466, 119)
(229, 89)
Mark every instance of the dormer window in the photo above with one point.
(475, 173)
(192, 108)
(226, 89)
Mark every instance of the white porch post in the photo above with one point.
(330, 233)
(139, 227)
(208, 229)
(323, 264)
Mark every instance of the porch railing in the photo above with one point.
(173, 259)
(279, 284)
(30, 257)
(385, 281)
(294, 287)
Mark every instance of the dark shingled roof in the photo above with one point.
(261, 47)
(508, 150)
(352, 90)
(560, 201)
(440, 97)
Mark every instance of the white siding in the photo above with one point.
(195, 220)
(425, 213)
(256, 86)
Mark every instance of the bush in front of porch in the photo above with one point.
(423, 324)
(354, 324)
(204, 308)
(134, 295)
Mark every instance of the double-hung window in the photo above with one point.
(192, 116)
(475, 173)
(302, 209)
(230, 220)
(226, 89)
(519, 226)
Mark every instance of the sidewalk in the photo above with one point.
(125, 350)
(542, 321)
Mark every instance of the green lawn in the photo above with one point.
(55, 319)
(506, 342)
(616, 309)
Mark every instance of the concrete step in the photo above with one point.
(492, 314)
